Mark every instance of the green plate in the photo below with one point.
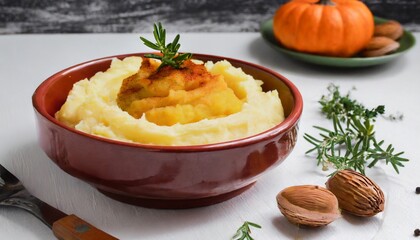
(407, 41)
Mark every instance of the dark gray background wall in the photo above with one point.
(85, 16)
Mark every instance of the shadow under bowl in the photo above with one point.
(164, 176)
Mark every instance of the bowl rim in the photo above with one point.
(288, 122)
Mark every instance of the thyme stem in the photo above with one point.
(244, 232)
(352, 142)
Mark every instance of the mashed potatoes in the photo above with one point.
(92, 107)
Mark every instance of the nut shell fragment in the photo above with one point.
(308, 205)
(356, 193)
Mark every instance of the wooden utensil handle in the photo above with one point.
(74, 228)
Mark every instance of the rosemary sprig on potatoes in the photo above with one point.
(352, 142)
(169, 53)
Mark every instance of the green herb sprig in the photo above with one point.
(351, 143)
(170, 55)
(244, 232)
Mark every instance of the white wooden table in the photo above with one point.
(26, 60)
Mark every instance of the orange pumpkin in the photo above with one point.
(338, 28)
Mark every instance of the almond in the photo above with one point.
(391, 29)
(379, 46)
(308, 205)
(356, 193)
(378, 42)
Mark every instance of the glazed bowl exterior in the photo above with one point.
(164, 176)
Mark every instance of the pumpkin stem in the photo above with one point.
(326, 2)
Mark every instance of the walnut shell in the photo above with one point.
(308, 205)
(356, 193)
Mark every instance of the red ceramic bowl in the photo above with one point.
(164, 176)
